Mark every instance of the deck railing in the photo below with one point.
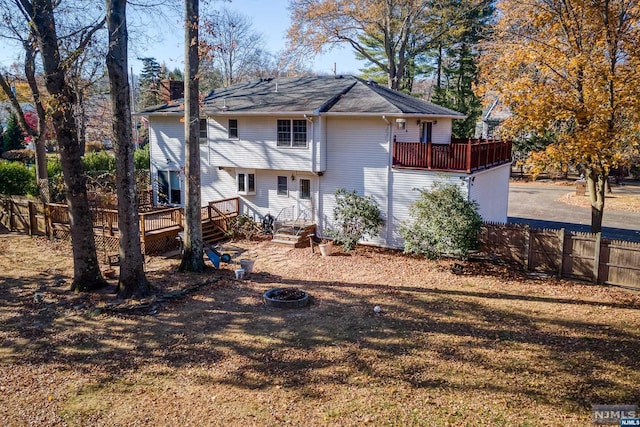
(461, 155)
(160, 220)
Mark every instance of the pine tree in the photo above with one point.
(149, 83)
(13, 138)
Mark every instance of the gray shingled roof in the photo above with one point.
(310, 95)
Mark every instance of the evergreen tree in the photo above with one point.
(456, 61)
(13, 138)
(149, 81)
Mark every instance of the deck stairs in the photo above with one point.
(291, 229)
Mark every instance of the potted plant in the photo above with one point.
(326, 247)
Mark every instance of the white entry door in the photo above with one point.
(305, 205)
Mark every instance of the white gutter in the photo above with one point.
(404, 116)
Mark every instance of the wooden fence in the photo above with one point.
(579, 256)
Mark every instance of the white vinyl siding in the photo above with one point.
(405, 183)
(490, 188)
(440, 130)
(256, 147)
(357, 159)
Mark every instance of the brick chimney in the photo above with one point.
(171, 90)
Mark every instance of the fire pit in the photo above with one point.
(286, 298)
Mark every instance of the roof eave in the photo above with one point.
(396, 114)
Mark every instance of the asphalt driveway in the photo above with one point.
(540, 206)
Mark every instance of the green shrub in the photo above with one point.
(101, 161)
(443, 222)
(16, 179)
(54, 167)
(142, 158)
(355, 217)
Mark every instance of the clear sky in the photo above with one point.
(269, 17)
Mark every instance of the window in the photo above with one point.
(246, 182)
(169, 187)
(305, 189)
(292, 133)
(283, 189)
(233, 129)
(203, 131)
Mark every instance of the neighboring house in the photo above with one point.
(283, 146)
(492, 118)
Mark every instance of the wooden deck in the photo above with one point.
(460, 156)
(158, 229)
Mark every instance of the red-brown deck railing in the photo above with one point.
(459, 156)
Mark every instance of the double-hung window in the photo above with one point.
(233, 129)
(203, 131)
(292, 133)
(246, 181)
(283, 186)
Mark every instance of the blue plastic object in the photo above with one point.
(214, 256)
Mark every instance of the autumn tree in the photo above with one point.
(396, 26)
(132, 281)
(572, 66)
(394, 36)
(42, 21)
(14, 28)
(192, 259)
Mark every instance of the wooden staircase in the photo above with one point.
(294, 233)
(212, 233)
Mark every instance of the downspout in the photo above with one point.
(313, 159)
(389, 181)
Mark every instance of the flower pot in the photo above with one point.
(247, 265)
(326, 249)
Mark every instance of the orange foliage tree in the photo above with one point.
(572, 66)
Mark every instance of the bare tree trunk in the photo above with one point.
(596, 188)
(193, 247)
(132, 280)
(87, 275)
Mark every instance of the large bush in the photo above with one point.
(142, 158)
(443, 222)
(99, 162)
(16, 179)
(355, 217)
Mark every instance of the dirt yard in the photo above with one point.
(486, 346)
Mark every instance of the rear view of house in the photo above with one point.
(283, 146)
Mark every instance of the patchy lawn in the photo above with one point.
(612, 201)
(485, 347)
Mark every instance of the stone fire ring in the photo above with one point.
(286, 298)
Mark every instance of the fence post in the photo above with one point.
(527, 247)
(596, 258)
(47, 221)
(33, 222)
(561, 238)
(12, 219)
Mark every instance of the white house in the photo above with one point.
(283, 146)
